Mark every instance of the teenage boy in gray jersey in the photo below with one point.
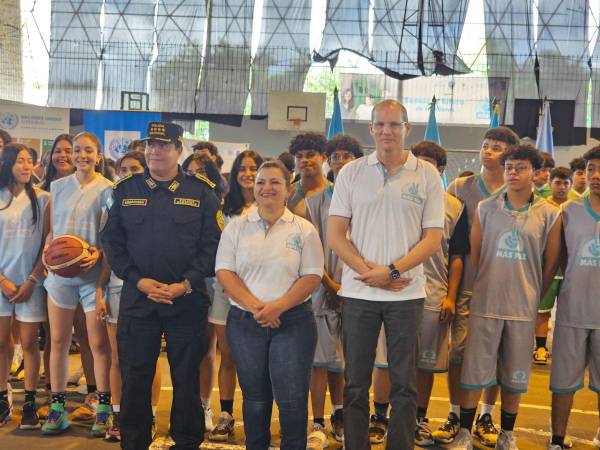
(308, 150)
(443, 272)
(577, 331)
(328, 365)
(471, 190)
(515, 246)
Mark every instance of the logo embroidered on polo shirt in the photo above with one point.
(186, 202)
(134, 202)
(410, 192)
(294, 242)
(589, 255)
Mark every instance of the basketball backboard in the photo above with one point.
(297, 111)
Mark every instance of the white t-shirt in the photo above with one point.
(269, 260)
(387, 217)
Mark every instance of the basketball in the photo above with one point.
(64, 254)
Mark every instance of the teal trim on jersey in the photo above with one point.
(594, 389)
(329, 190)
(589, 209)
(486, 193)
(329, 369)
(509, 205)
(567, 390)
(299, 190)
(474, 387)
(513, 390)
(381, 366)
(433, 370)
(456, 362)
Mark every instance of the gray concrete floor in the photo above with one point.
(532, 424)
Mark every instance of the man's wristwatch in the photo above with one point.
(394, 273)
(188, 287)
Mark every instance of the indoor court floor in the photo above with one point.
(532, 430)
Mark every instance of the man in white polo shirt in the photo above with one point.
(393, 205)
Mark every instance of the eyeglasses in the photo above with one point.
(341, 156)
(395, 126)
(519, 168)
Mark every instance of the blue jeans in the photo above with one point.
(274, 363)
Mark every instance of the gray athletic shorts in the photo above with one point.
(573, 350)
(498, 352)
(433, 343)
(458, 328)
(329, 354)
(219, 309)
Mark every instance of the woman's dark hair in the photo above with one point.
(136, 145)
(5, 137)
(525, 152)
(351, 102)
(212, 172)
(234, 200)
(50, 173)
(276, 164)
(344, 142)
(133, 154)
(8, 158)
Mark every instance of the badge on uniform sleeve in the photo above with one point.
(220, 220)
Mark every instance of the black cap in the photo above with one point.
(165, 132)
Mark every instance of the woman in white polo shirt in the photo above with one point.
(269, 262)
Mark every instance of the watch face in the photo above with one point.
(395, 274)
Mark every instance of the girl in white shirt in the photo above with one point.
(269, 261)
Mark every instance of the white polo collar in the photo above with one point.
(253, 215)
(409, 164)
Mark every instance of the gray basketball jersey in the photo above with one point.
(318, 212)
(436, 267)
(508, 281)
(579, 298)
(21, 239)
(470, 190)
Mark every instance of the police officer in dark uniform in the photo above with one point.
(161, 238)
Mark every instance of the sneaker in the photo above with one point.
(596, 440)
(44, 409)
(377, 429)
(87, 411)
(506, 441)
(337, 425)
(101, 424)
(30, 419)
(74, 378)
(57, 421)
(485, 430)
(19, 373)
(423, 437)
(463, 440)
(208, 422)
(5, 412)
(113, 434)
(568, 443)
(540, 356)
(17, 360)
(448, 431)
(317, 439)
(224, 429)
(154, 430)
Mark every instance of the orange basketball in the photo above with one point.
(64, 254)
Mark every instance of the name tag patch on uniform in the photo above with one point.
(187, 202)
(134, 202)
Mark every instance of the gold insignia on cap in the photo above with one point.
(220, 220)
(187, 202)
(174, 186)
(157, 128)
(151, 183)
(134, 202)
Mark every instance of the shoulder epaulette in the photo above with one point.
(206, 180)
(126, 177)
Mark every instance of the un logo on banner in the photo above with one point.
(118, 146)
(8, 120)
